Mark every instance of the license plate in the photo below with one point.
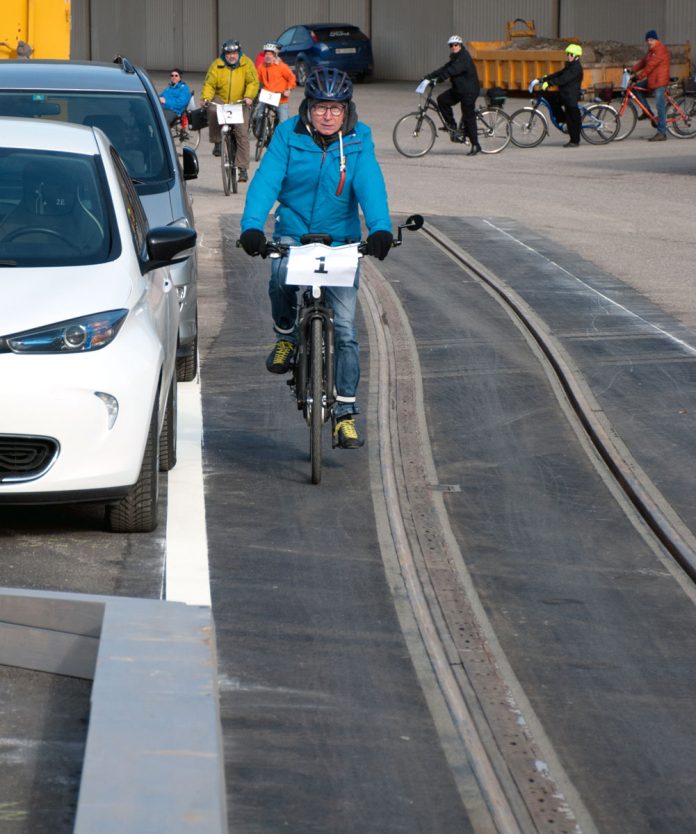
(346, 50)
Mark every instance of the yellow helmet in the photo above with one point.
(574, 49)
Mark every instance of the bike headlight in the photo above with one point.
(74, 336)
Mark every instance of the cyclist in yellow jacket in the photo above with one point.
(231, 77)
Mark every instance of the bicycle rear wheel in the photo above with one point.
(316, 385)
(493, 128)
(527, 128)
(628, 122)
(414, 135)
(683, 126)
(600, 124)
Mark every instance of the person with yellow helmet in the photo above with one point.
(565, 101)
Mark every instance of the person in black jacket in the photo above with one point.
(465, 88)
(569, 82)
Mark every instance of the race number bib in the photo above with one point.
(316, 265)
(230, 114)
(267, 97)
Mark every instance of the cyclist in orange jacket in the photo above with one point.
(276, 77)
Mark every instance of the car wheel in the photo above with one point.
(167, 441)
(301, 73)
(187, 366)
(137, 512)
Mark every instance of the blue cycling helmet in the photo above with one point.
(328, 84)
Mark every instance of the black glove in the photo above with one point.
(253, 242)
(379, 244)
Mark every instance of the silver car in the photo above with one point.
(119, 98)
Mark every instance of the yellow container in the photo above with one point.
(35, 28)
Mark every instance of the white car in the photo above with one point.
(88, 327)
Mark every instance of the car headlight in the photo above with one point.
(74, 336)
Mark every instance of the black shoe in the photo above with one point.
(643, 116)
(280, 358)
(572, 145)
(243, 176)
(474, 150)
(346, 433)
(457, 136)
(217, 150)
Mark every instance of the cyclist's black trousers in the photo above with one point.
(445, 102)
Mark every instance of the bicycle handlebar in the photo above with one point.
(280, 250)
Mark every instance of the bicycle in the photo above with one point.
(314, 265)
(681, 111)
(229, 115)
(268, 124)
(529, 126)
(414, 134)
(183, 135)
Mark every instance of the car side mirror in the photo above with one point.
(167, 245)
(190, 164)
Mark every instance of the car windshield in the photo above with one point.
(53, 210)
(341, 33)
(126, 118)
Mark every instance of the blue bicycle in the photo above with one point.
(530, 126)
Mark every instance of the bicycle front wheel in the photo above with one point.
(316, 383)
(414, 134)
(629, 117)
(493, 128)
(226, 164)
(527, 128)
(261, 141)
(600, 124)
(683, 114)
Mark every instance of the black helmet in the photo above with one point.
(231, 45)
(328, 84)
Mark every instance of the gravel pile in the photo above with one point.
(595, 52)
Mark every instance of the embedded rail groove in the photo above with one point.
(521, 781)
(645, 497)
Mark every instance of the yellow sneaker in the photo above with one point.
(346, 434)
(280, 358)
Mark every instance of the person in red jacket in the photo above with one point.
(653, 76)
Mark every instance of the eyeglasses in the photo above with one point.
(174, 75)
(334, 109)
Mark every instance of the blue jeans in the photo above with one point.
(660, 105)
(343, 301)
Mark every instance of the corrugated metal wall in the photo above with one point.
(409, 36)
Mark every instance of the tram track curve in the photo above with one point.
(523, 783)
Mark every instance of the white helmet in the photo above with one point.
(455, 39)
(271, 47)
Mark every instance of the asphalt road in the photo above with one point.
(327, 726)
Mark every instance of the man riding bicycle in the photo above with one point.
(461, 71)
(231, 77)
(320, 167)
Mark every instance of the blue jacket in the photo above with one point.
(176, 97)
(304, 179)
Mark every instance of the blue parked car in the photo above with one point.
(339, 45)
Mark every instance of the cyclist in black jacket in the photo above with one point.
(569, 83)
(465, 88)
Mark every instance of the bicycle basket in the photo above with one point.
(198, 118)
(495, 97)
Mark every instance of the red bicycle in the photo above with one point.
(681, 112)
